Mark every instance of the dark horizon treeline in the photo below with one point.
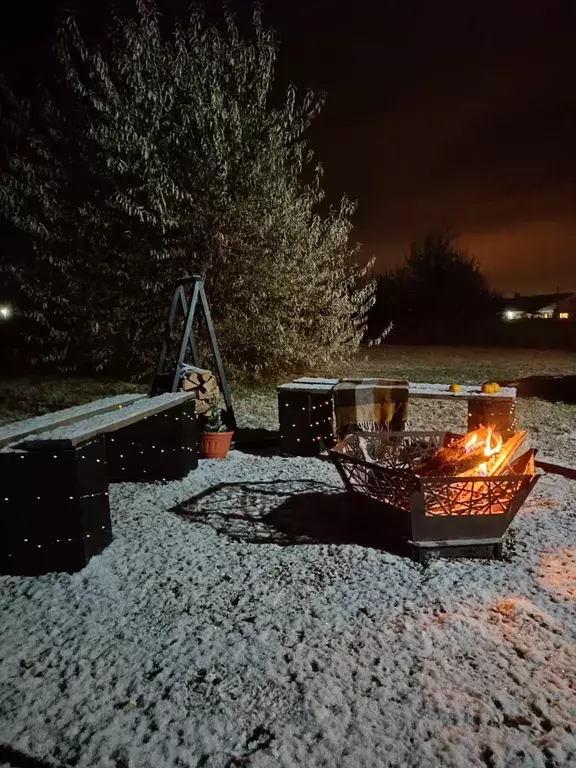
(439, 296)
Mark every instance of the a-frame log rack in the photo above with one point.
(169, 380)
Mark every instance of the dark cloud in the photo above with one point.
(440, 114)
(452, 115)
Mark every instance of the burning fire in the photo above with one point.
(479, 454)
(487, 439)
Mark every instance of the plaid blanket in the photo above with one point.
(369, 405)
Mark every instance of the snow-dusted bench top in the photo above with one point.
(69, 435)
(18, 430)
(416, 389)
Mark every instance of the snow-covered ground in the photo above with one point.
(204, 636)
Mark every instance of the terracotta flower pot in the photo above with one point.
(215, 445)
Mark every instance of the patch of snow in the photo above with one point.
(443, 390)
(417, 389)
(306, 387)
(105, 421)
(308, 380)
(207, 636)
(20, 429)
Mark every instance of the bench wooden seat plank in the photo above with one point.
(68, 436)
(467, 392)
(416, 390)
(18, 430)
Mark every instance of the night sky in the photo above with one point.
(441, 114)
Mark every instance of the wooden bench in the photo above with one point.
(54, 509)
(305, 409)
(10, 433)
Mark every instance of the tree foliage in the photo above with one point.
(438, 294)
(158, 155)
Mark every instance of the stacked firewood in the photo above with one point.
(462, 457)
(205, 384)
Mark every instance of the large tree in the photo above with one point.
(439, 294)
(161, 154)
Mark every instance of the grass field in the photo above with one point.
(21, 398)
(242, 616)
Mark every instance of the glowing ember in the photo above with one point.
(484, 438)
(484, 443)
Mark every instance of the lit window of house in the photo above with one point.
(563, 315)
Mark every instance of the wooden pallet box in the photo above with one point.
(306, 419)
(497, 413)
(163, 446)
(54, 508)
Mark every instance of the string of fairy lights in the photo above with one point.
(324, 405)
(133, 450)
(500, 411)
(64, 540)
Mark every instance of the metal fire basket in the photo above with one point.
(443, 514)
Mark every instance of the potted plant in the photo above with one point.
(215, 440)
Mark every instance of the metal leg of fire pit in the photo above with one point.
(424, 551)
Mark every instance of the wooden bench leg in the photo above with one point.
(159, 447)
(500, 414)
(306, 422)
(54, 509)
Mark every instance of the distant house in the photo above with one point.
(547, 306)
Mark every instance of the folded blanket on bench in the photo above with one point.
(369, 405)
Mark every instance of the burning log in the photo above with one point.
(481, 452)
(509, 452)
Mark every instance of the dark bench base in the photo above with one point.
(306, 422)
(54, 510)
(54, 507)
(160, 447)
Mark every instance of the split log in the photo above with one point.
(211, 384)
(204, 382)
(204, 395)
(196, 375)
(452, 460)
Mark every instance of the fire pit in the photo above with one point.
(443, 493)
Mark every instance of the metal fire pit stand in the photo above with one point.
(455, 516)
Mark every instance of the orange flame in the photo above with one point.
(489, 441)
(493, 442)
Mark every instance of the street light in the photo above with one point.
(5, 312)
